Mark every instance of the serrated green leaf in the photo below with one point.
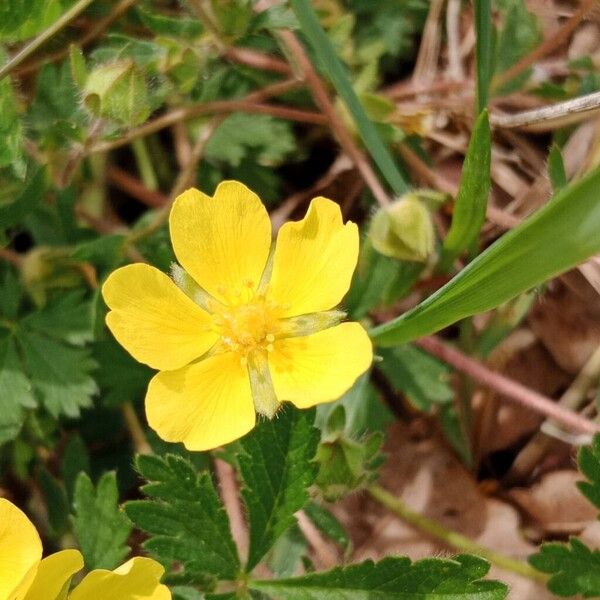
(59, 374)
(392, 579)
(276, 468)
(101, 528)
(574, 568)
(471, 200)
(185, 519)
(588, 460)
(16, 394)
(67, 317)
(556, 169)
(241, 135)
(420, 376)
(557, 237)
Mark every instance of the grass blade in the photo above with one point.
(471, 200)
(483, 51)
(321, 45)
(559, 236)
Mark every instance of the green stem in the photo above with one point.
(44, 36)
(451, 538)
(144, 164)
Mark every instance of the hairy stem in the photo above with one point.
(451, 538)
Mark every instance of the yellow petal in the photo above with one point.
(222, 242)
(204, 405)
(314, 260)
(20, 549)
(53, 576)
(320, 367)
(154, 320)
(137, 579)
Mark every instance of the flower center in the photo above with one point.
(247, 327)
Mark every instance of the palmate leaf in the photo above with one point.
(185, 519)
(276, 468)
(556, 238)
(392, 579)
(101, 528)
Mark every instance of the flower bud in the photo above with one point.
(117, 91)
(404, 230)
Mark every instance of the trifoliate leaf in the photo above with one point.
(392, 579)
(266, 139)
(276, 468)
(185, 519)
(574, 568)
(172, 26)
(101, 528)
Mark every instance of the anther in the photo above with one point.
(270, 347)
(270, 338)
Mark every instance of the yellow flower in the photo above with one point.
(243, 327)
(25, 576)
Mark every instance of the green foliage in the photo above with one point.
(484, 30)
(327, 523)
(556, 169)
(101, 528)
(261, 138)
(560, 235)
(519, 35)
(589, 464)
(38, 353)
(21, 19)
(185, 520)
(345, 462)
(276, 467)
(331, 64)
(11, 130)
(392, 579)
(418, 375)
(574, 568)
(471, 201)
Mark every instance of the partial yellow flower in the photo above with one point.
(244, 326)
(24, 575)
